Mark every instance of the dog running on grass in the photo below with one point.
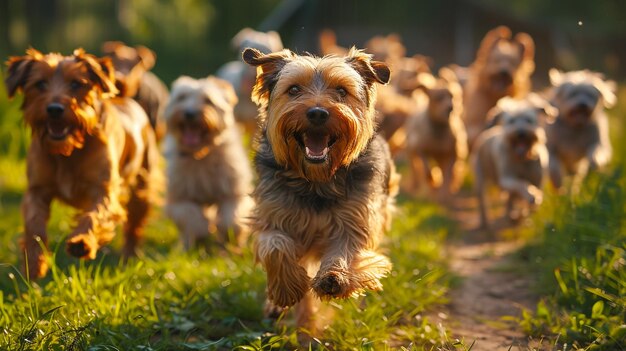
(578, 140)
(90, 149)
(326, 180)
(133, 78)
(512, 154)
(437, 133)
(206, 162)
(503, 67)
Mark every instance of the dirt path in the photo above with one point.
(491, 290)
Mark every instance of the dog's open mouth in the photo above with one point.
(522, 144)
(58, 129)
(192, 135)
(316, 145)
(580, 115)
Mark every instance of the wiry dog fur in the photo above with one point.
(134, 79)
(512, 154)
(89, 149)
(578, 140)
(437, 133)
(326, 181)
(207, 164)
(503, 67)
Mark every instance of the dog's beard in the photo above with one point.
(522, 144)
(61, 136)
(579, 116)
(317, 152)
(197, 136)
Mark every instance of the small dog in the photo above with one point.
(242, 76)
(512, 154)
(134, 79)
(326, 181)
(90, 149)
(438, 133)
(578, 140)
(503, 67)
(207, 164)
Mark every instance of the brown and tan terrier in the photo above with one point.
(206, 163)
(90, 149)
(134, 79)
(512, 154)
(578, 140)
(326, 180)
(503, 67)
(242, 76)
(437, 133)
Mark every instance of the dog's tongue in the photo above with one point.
(57, 128)
(316, 145)
(191, 136)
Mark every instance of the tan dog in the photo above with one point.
(503, 67)
(512, 154)
(207, 165)
(242, 76)
(578, 140)
(437, 133)
(89, 149)
(134, 79)
(326, 181)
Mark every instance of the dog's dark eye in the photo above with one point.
(294, 90)
(181, 97)
(342, 91)
(76, 85)
(41, 85)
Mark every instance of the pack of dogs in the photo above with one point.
(319, 193)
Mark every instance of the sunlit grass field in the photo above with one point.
(172, 300)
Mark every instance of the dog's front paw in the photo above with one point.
(83, 246)
(331, 285)
(286, 289)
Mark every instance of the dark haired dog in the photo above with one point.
(578, 140)
(134, 79)
(90, 149)
(326, 180)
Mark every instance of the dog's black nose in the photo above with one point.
(317, 115)
(55, 110)
(191, 114)
(521, 134)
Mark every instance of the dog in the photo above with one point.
(578, 140)
(242, 76)
(326, 181)
(133, 78)
(512, 154)
(438, 133)
(206, 162)
(90, 149)
(503, 67)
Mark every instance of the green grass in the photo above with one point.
(578, 253)
(173, 300)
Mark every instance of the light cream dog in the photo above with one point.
(207, 164)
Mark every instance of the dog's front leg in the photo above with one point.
(554, 170)
(523, 188)
(599, 156)
(349, 266)
(36, 211)
(191, 220)
(287, 280)
(96, 226)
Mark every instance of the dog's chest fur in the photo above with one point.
(310, 211)
(571, 144)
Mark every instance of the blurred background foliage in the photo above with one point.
(193, 36)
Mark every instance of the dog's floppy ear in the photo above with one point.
(18, 70)
(148, 57)
(268, 70)
(607, 88)
(101, 71)
(543, 107)
(494, 117)
(369, 69)
(227, 90)
(556, 76)
(527, 45)
(491, 39)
